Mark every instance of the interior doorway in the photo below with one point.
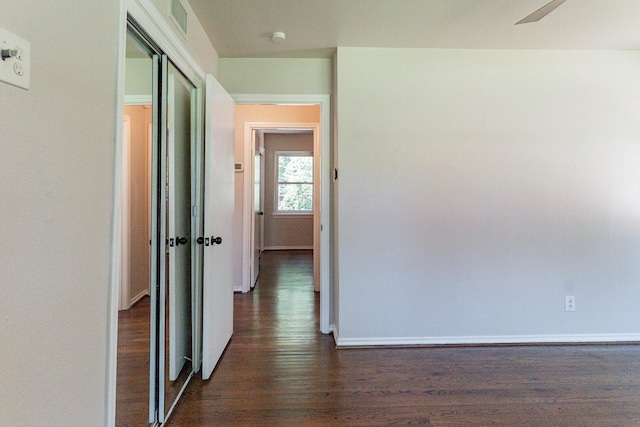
(245, 150)
(284, 193)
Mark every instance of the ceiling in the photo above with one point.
(242, 28)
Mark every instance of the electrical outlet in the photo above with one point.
(569, 303)
(15, 60)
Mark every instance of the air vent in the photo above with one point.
(179, 14)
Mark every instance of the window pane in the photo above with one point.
(295, 197)
(295, 169)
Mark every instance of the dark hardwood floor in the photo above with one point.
(279, 371)
(132, 386)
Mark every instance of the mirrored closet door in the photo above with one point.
(160, 295)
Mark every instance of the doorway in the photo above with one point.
(245, 150)
(288, 189)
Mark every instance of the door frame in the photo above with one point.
(322, 217)
(250, 130)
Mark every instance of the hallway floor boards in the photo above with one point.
(280, 371)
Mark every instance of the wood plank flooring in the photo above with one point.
(280, 371)
(132, 386)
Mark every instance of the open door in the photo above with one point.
(217, 298)
(257, 233)
(179, 222)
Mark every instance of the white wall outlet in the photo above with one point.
(15, 61)
(569, 303)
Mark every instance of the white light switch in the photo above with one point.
(15, 60)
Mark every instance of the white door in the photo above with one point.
(179, 223)
(217, 298)
(258, 208)
(262, 184)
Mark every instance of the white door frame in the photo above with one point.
(324, 215)
(249, 239)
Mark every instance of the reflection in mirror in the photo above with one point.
(132, 383)
(178, 293)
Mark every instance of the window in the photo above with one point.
(294, 177)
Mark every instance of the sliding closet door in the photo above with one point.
(175, 222)
(158, 238)
(218, 224)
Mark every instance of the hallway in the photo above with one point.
(279, 370)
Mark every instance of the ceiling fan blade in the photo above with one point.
(542, 12)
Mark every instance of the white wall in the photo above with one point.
(478, 188)
(139, 193)
(138, 76)
(276, 75)
(56, 193)
(196, 41)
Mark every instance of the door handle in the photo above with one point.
(203, 241)
(181, 240)
(260, 213)
(216, 240)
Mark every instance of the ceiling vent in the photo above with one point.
(179, 14)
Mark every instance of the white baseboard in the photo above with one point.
(487, 340)
(237, 289)
(288, 248)
(138, 297)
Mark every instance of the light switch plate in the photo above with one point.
(15, 70)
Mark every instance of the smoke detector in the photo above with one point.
(278, 37)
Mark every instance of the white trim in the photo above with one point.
(158, 29)
(138, 99)
(288, 248)
(487, 340)
(138, 297)
(114, 288)
(325, 185)
(125, 211)
(335, 333)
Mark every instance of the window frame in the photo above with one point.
(276, 181)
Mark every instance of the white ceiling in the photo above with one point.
(242, 28)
